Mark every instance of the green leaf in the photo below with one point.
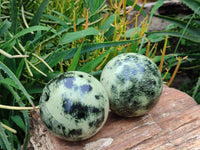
(20, 68)
(14, 78)
(193, 4)
(54, 35)
(172, 57)
(37, 90)
(27, 125)
(132, 33)
(34, 28)
(68, 54)
(60, 21)
(154, 38)
(14, 16)
(92, 47)
(25, 114)
(73, 36)
(63, 16)
(25, 31)
(93, 63)
(94, 6)
(76, 58)
(4, 143)
(180, 23)
(38, 14)
(197, 21)
(155, 7)
(109, 34)
(10, 82)
(196, 88)
(107, 24)
(35, 21)
(4, 27)
(19, 122)
(56, 57)
(192, 38)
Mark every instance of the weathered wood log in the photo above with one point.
(174, 123)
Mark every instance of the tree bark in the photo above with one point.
(174, 123)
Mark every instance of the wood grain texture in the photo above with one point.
(174, 123)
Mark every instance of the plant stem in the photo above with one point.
(132, 7)
(28, 68)
(196, 88)
(12, 56)
(148, 47)
(166, 74)
(103, 62)
(137, 13)
(163, 54)
(17, 108)
(176, 70)
(8, 128)
(36, 68)
(86, 22)
(24, 19)
(185, 29)
(74, 19)
(43, 62)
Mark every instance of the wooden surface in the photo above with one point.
(173, 124)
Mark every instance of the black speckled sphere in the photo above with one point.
(74, 106)
(133, 84)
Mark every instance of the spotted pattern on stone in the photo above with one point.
(74, 106)
(133, 84)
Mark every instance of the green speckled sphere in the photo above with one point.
(74, 106)
(133, 84)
